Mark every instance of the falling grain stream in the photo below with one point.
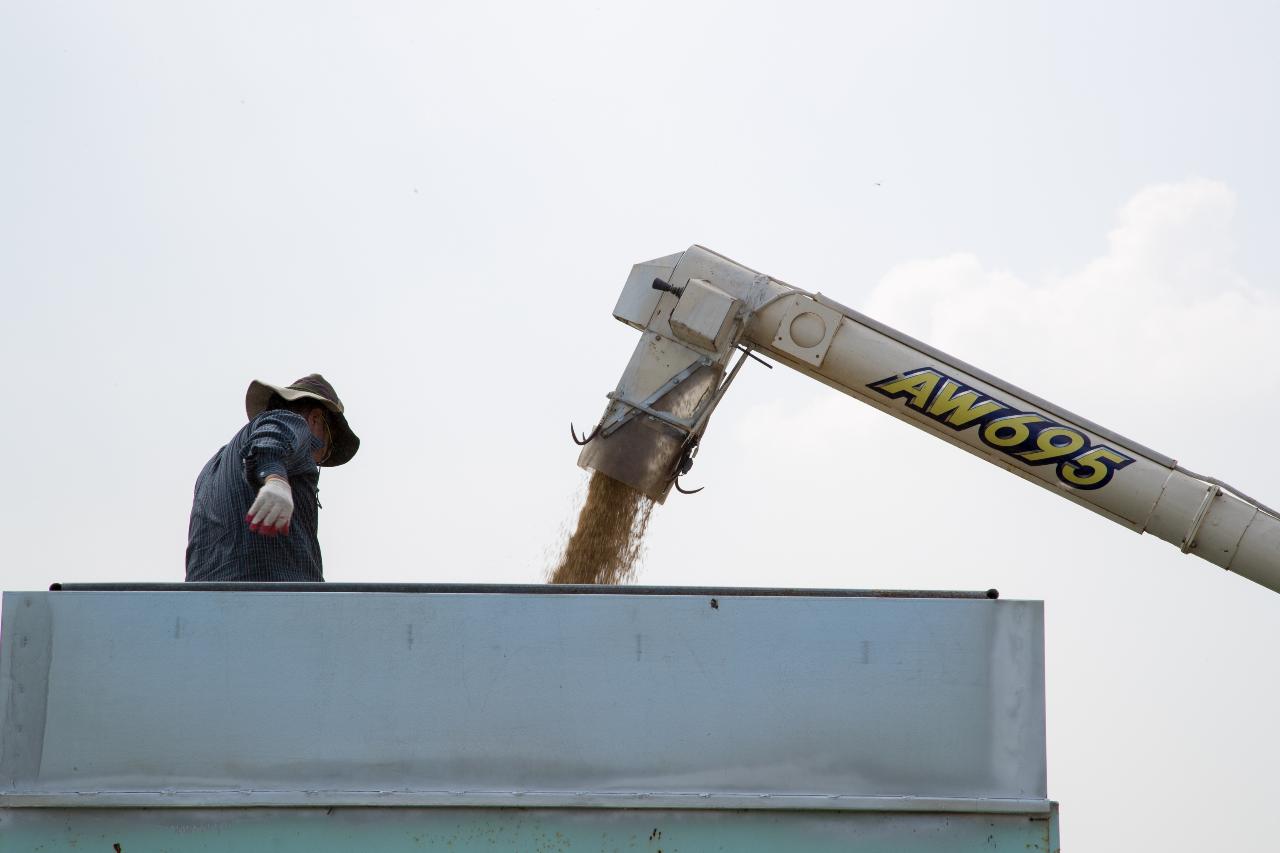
(605, 546)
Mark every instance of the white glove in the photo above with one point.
(272, 509)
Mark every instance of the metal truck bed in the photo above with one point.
(297, 717)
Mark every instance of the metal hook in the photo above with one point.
(586, 439)
(686, 462)
(687, 491)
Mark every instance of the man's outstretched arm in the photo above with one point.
(280, 444)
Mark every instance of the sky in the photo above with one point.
(436, 205)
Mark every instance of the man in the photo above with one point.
(254, 516)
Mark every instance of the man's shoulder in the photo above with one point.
(276, 416)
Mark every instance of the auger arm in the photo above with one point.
(697, 309)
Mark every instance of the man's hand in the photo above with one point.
(272, 509)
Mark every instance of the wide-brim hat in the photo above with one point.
(344, 444)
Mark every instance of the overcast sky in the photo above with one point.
(435, 205)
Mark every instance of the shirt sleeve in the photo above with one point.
(279, 443)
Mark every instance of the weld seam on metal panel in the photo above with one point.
(24, 675)
(523, 589)
(519, 799)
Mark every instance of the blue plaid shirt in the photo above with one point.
(220, 545)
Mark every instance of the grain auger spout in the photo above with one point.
(697, 310)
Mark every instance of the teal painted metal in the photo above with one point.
(401, 830)
(551, 723)
(299, 699)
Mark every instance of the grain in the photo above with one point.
(605, 547)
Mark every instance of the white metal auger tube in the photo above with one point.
(696, 308)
